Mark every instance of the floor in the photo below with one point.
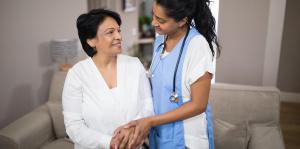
(290, 124)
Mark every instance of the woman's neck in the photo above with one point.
(103, 60)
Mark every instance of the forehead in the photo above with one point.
(108, 22)
(159, 11)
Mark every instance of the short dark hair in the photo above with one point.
(87, 26)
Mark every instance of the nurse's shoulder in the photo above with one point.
(199, 47)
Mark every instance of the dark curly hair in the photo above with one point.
(87, 26)
(197, 10)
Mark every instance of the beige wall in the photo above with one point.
(250, 36)
(289, 69)
(26, 66)
(242, 35)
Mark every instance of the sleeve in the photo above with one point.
(199, 59)
(144, 94)
(74, 122)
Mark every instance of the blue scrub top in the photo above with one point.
(171, 135)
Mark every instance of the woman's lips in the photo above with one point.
(118, 45)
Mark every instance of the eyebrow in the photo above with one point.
(111, 28)
(157, 17)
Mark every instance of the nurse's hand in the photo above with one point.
(142, 127)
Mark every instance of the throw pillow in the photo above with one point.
(231, 136)
(265, 137)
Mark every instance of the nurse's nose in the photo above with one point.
(154, 23)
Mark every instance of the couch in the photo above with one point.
(244, 117)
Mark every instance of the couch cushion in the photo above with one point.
(230, 136)
(59, 144)
(235, 103)
(55, 110)
(265, 137)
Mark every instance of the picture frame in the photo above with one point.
(129, 5)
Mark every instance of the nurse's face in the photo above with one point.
(163, 24)
(108, 38)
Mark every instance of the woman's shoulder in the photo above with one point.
(81, 66)
(131, 62)
(128, 59)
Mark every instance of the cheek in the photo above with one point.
(166, 28)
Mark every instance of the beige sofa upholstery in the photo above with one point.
(43, 127)
(244, 117)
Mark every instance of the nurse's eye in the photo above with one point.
(160, 21)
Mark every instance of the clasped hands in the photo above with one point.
(131, 135)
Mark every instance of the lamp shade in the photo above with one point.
(62, 50)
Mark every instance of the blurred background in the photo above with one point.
(259, 40)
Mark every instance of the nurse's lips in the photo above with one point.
(157, 29)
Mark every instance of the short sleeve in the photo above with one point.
(198, 60)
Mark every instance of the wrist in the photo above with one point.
(151, 121)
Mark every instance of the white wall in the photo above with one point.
(246, 34)
(25, 63)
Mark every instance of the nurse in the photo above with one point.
(180, 74)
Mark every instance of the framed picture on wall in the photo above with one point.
(129, 5)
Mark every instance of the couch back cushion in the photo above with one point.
(56, 87)
(55, 103)
(237, 103)
(57, 119)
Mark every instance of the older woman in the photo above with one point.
(107, 89)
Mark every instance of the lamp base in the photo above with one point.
(64, 67)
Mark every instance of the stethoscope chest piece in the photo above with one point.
(174, 97)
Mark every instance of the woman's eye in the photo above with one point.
(110, 32)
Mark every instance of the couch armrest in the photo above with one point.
(30, 131)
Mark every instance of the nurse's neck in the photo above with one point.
(174, 37)
(178, 33)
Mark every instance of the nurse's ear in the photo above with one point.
(182, 22)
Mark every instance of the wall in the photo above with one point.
(289, 71)
(26, 66)
(250, 34)
(129, 26)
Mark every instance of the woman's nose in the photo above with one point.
(118, 36)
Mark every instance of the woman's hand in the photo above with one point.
(121, 138)
(141, 131)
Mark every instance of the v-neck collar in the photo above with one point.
(177, 46)
(100, 76)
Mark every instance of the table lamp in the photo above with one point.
(62, 51)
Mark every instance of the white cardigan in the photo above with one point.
(92, 111)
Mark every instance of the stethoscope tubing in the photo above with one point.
(174, 95)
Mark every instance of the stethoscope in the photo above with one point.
(174, 96)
